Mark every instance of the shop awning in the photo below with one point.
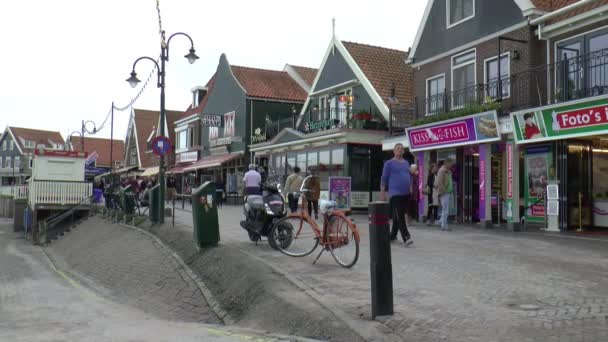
(212, 161)
(126, 169)
(179, 168)
(151, 171)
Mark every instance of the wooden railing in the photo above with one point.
(61, 193)
(14, 191)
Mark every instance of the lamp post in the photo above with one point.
(83, 130)
(133, 81)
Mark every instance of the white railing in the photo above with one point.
(62, 193)
(14, 191)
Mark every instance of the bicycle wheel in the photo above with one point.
(294, 236)
(343, 240)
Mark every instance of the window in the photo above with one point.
(4, 145)
(459, 11)
(491, 76)
(463, 79)
(9, 162)
(291, 162)
(17, 162)
(301, 162)
(3, 162)
(29, 144)
(435, 92)
(324, 171)
(312, 162)
(337, 161)
(12, 145)
(182, 140)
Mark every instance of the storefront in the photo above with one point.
(566, 144)
(338, 152)
(473, 142)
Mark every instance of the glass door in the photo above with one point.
(569, 69)
(579, 198)
(471, 188)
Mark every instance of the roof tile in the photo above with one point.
(269, 84)
(36, 135)
(146, 121)
(102, 147)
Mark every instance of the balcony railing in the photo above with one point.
(568, 79)
(59, 193)
(351, 118)
(14, 191)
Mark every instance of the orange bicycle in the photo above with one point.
(298, 234)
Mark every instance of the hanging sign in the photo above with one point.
(539, 162)
(509, 200)
(576, 119)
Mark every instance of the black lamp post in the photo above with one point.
(83, 130)
(133, 81)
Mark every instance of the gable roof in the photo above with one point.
(268, 84)
(102, 147)
(307, 74)
(146, 122)
(38, 136)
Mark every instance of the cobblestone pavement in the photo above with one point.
(39, 302)
(469, 284)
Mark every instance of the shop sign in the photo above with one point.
(482, 182)
(259, 136)
(340, 191)
(187, 157)
(539, 163)
(318, 125)
(210, 120)
(509, 200)
(576, 119)
(472, 129)
(223, 141)
(359, 199)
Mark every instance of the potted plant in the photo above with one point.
(360, 118)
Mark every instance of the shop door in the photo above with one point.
(360, 163)
(471, 188)
(579, 184)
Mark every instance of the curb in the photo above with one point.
(207, 295)
(343, 316)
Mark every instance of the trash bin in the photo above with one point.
(18, 217)
(154, 204)
(128, 200)
(204, 216)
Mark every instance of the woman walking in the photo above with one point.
(431, 214)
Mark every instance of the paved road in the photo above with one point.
(41, 303)
(466, 285)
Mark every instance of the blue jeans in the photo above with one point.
(444, 200)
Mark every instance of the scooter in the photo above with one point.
(262, 212)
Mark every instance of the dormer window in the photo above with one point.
(29, 144)
(458, 11)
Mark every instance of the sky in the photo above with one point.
(66, 60)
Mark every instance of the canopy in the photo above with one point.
(151, 171)
(212, 161)
(179, 168)
(126, 169)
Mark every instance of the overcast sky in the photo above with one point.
(66, 60)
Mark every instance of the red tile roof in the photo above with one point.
(36, 135)
(384, 67)
(146, 121)
(307, 74)
(269, 84)
(102, 147)
(557, 4)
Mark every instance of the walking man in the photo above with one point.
(253, 181)
(293, 183)
(396, 178)
(445, 187)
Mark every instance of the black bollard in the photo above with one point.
(381, 268)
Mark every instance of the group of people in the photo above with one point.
(399, 183)
(293, 186)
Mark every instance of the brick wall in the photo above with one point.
(531, 54)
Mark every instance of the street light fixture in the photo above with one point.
(83, 130)
(133, 81)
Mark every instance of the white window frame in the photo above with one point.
(426, 90)
(29, 144)
(447, 15)
(452, 68)
(4, 145)
(178, 142)
(11, 145)
(508, 75)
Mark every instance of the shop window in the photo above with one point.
(324, 168)
(459, 11)
(491, 76)
(301, 161)
(337, 162)
(291, 162)
(463, 79)
(312, 162)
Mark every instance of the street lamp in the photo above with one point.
(83, 130)
(133, 81)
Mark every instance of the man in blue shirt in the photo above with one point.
(396, 179)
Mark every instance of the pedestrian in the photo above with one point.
(171, 188)
(314, 185)
(445, 187)
(396, 179)
(253, 181)
(431, 214)
(293, 184)
(412, 212)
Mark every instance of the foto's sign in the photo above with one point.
(582, 118)
(210, 120)
(472, 129)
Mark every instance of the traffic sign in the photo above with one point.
(161, 145)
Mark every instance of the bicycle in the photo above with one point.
(339, 234)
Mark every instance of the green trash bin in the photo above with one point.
(154, 204)
(128, 200)
(204, 215)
